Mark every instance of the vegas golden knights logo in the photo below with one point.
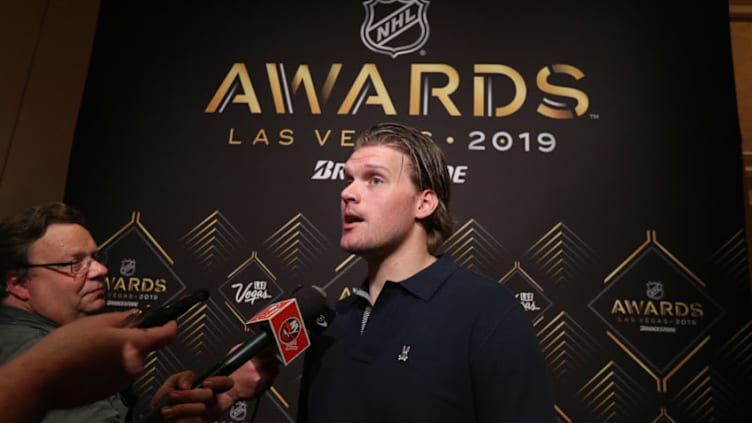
(395, 27)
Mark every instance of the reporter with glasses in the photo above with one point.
(52, 274)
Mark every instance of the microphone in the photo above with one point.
(282, 323)
(150, 317)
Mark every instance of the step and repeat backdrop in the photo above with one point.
(593, 146)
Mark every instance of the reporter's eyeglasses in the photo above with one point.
(76, 267)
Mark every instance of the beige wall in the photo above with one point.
(741, 45)
(46, 46)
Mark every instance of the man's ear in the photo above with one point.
(17, 288)
(427, 204)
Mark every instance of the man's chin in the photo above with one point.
(361, 250)
(351, 248)
(95, 306)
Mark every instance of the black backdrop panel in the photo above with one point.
(594, 148)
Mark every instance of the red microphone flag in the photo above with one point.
(286, 325)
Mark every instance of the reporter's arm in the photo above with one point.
(48, 375)
(19, 397)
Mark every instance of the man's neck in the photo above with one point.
(396, 267)
(11, 301)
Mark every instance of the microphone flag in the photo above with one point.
(285, 323)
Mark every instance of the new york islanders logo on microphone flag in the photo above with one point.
(286, 325)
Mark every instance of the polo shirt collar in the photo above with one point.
(424, 283)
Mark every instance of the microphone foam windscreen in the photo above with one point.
(311, 302)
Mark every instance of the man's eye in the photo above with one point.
(77, 265)
(376, 181)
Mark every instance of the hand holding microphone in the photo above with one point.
(281, 326)
(251, 379)
(191, 404)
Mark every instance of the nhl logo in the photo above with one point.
(654, 290)
(127, 267)
(395, 27)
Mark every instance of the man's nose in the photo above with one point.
(349, 193)
(97, 269)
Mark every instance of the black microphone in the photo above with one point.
(149, 318)
(282, 323)
(311, 303)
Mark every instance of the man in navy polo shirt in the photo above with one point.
(422, 340)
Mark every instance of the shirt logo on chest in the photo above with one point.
(403, 355)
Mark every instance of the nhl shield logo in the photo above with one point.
(654, 290)
(395, 27)
(127, 267)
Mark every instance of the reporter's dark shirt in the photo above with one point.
(19, 330)
(446, 345)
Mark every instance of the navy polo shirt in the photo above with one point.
(446, 345)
